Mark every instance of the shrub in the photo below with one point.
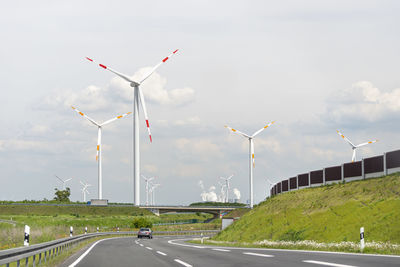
(141, 222)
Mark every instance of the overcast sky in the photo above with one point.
(313, 66)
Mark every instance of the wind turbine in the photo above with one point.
(251, 156)
(354, 147)
(63, 181)
(84, 190)
(153, 186)
(223, 185)
(227, 187)
(147, 188)
(137, 95)
(99, 148)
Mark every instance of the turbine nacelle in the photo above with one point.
(134, 84)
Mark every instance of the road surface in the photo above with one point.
(173, 251)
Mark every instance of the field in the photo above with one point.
(331, 213)
(53, 222)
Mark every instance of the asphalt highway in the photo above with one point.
(173, 251)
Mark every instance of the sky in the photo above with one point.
(314, 67)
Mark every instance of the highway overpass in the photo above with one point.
(216, 211)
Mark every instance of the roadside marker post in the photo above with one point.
(362, 243)
(97, 229)
(85, 230)
(26, 236)
(71, 231)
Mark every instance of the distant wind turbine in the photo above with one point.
(227, 187)
(84, 190)
(137, 95)
(99, 148)
(251, 156)
(147, 188)
(63, 181)
(152, 193)
(354, 147)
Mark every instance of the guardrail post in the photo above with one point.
(18, 263)
(40, 258)
(45, 256)
(34, 261)
(26, 261)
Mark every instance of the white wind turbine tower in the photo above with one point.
(223, 185)
(354, 147)
(137, 95)
(227, 187)
(99, 148)
(251, 156)
(152, 193)
(84, 190)
(63, 181)
(147, 188)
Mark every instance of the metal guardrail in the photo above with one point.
(48, 250)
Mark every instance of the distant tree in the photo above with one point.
(62, 195)
(140, 222)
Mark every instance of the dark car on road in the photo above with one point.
(145, 232)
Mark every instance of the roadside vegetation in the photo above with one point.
(53, 222)
(311, 217)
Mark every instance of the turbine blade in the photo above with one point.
(262, 129)
(82, 183)
(347, 140)
(367, 143)
(157, 66)
(252, 153)
(86, 116)
(116, 118)
(236, 131)
(59, 178)
(98, 145)
(123, 76)
(145, 112)
(230, 177)
(68, 180)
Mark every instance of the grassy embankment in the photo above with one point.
(53, 222)
(324, 218)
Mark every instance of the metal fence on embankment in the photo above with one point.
(366, 168)
(39, 253)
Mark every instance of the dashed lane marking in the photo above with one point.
(141, 245)
(220, 249)
(161, 253)
(149, 248)
(183, 263)
(258, 254)
(328, 263)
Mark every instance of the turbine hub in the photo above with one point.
(134, 84)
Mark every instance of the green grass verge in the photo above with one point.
(332, 213)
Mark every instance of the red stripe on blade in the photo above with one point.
(101, 65)
(151, 139)
(89, 59)
(175, 51)
(147, 122)
(165, 59)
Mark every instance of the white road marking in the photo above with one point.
(183, 245)
(221, 249)
(161, 253)
(257, 254)
(183, 263)
(329, 263)
(149, 248)
(141, 245)
(87, 251)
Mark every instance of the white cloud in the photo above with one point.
(363, 101)
(198, 147)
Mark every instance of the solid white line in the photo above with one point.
(329, 264)
(257, 254)
(183, 263)
(149, 248)
(221, 249)
(87, 251)
(289, 250)
(161, 253)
